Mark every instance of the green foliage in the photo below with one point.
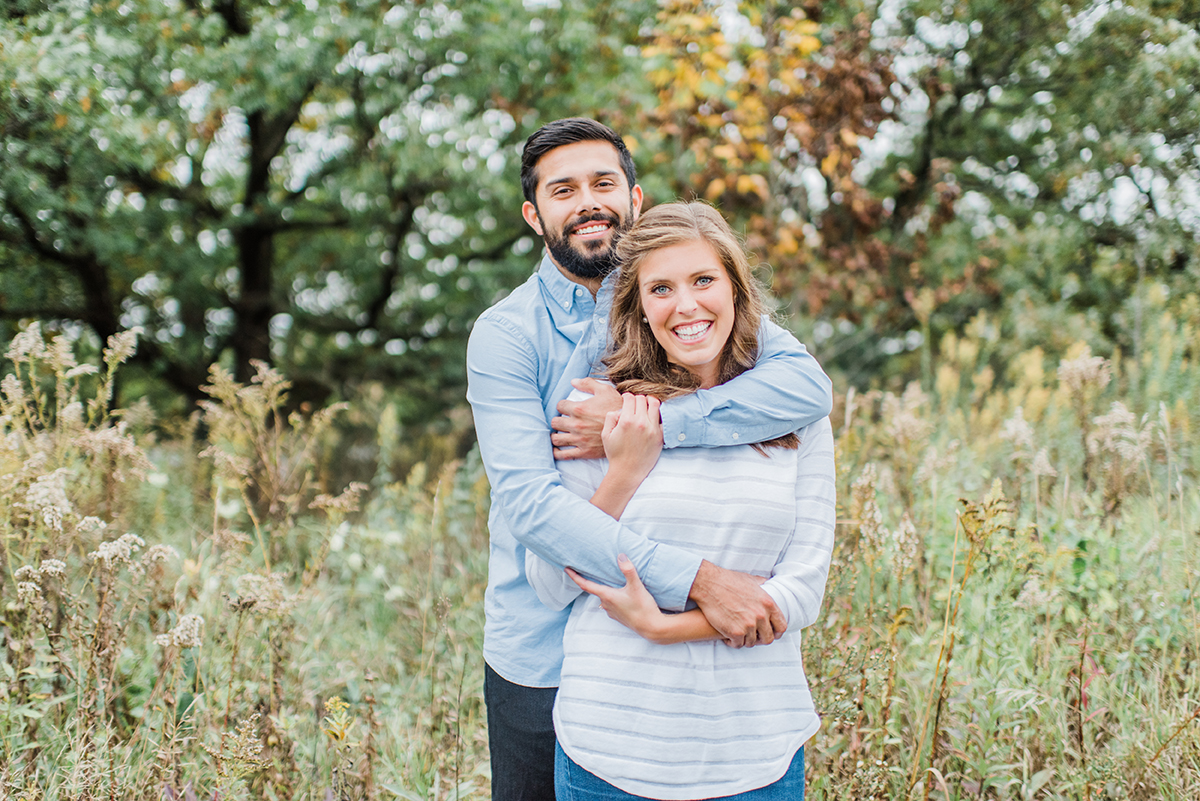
(331, 187)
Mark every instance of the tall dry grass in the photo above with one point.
(1011, 613)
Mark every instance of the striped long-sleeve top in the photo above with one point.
(701, 719)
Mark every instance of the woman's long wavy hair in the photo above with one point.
(636, 362)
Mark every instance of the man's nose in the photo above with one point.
(587, 200)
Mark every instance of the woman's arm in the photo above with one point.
(633, 607)
(632, 442)
(797, 583)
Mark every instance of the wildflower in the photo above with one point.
(159, 553)
(345, 503)
(1042, 466)
(47, 497)
(1017, 431)
(188, 633)
(904, 546)
(121, 346)
(119, 551)
(13, 391)
(52, 568)
(865, 508)
(1085, 371)
(265, 594)
(27, 591)
(89, 524)
(27, 344)
(25, 573)
(1033, 596)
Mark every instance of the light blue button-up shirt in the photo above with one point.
(521, 358)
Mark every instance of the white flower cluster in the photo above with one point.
(47, 498)
(119, 551)
(188, 633)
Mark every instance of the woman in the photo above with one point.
(654, 705)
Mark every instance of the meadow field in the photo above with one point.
(203, 610)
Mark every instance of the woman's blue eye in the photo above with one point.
(705, 280)
(658, 290)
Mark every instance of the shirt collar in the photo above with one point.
(560, 288)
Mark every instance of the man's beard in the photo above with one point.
(600, 258)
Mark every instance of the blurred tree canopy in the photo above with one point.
(333, 186)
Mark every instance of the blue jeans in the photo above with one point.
(573, 783)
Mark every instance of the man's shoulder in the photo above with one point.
(521, 308)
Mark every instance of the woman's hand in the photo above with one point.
(633, 437)
(631, 605)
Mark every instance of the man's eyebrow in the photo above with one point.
(573, 179)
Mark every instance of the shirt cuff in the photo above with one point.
(672, 571)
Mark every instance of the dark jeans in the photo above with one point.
(520, 738)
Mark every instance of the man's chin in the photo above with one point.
(584, 265)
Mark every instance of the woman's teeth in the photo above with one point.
(692, 331)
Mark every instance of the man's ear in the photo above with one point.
(635, 196)
(530, 213)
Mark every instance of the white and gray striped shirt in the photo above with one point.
(700, 719)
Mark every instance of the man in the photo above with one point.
(524, 353)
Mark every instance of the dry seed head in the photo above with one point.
(159, 553)
(60, 355)
(121, 346)
(904, 545)
(188, 633)
(1033, 597)
(89, 524)
(47, 498)
(344, 503)
(1042, 465)
(27, 344)
(864, 507)
(1018, 431)
(14, 392)
(1084, 372)
(119, 551)
(264, 594)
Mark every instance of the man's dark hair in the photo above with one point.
(567, 132)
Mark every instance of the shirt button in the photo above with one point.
(578, 290)
(682, 437)
(735, 436)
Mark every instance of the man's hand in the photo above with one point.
(577, 433)
(737, 606)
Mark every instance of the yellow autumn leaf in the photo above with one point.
(849, 137)
(808, 45)
(787, 243)
(725, 152)
(830, 162)
(752, 185)
(60, 120)
(715, 189)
